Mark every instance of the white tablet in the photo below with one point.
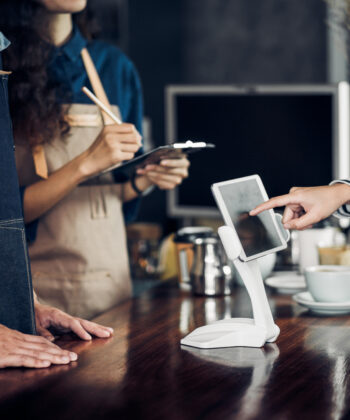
(259, 235)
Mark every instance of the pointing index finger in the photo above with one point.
(279, 201)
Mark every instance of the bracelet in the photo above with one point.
(133, 184)
(136, 189)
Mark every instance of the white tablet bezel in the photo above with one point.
(227, 218)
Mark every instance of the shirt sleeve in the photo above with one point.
(133, 115)
(32, 227)
(343, 211)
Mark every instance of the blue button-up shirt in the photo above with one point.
(118, 75)
(120, 81)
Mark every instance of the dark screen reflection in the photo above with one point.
(253, 234)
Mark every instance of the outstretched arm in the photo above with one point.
(306, 206)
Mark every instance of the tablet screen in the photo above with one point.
(257, 234)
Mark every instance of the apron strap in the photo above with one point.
(96, 84)
(98, 90)
(38, 151)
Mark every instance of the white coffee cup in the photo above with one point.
(328, 283)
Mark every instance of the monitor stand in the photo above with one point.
(239, 332)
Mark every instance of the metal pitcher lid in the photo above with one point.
(191, 233)
(213, 240)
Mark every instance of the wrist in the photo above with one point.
(35, 298)
(141, 182)
(37, 307)
(343, 191)
(37, 304)
(83, 169)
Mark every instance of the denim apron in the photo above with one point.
(16, 293)
(79, 258)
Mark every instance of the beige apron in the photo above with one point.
(79, 258)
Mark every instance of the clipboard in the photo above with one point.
(171, 151)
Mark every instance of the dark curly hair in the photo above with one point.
(36, 113)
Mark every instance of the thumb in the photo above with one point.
(45, 333)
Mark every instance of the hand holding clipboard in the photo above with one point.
(171, 151)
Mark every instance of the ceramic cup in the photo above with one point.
(328, 283)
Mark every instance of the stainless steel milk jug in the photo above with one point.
(210, 273)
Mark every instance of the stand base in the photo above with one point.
(234, 332)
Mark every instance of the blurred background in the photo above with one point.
(299, 46)
(226, 42)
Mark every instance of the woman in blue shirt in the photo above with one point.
(79, 259)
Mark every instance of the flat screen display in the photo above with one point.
(258, 234)
(285, 138)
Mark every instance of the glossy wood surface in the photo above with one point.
(144, 373)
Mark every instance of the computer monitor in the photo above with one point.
(290, 135)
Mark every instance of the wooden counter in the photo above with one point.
(143, 373)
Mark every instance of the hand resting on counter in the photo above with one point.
(24, 350)
(49, 317)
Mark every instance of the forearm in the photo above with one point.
(43, 195)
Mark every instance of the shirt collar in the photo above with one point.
(4, 42)
(74, 45)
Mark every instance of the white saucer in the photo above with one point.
(287, 282)
(325, 308)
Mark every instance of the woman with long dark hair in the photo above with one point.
(75, 216)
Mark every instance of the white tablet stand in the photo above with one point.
(239, 332)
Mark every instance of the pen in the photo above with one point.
(100, 104)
